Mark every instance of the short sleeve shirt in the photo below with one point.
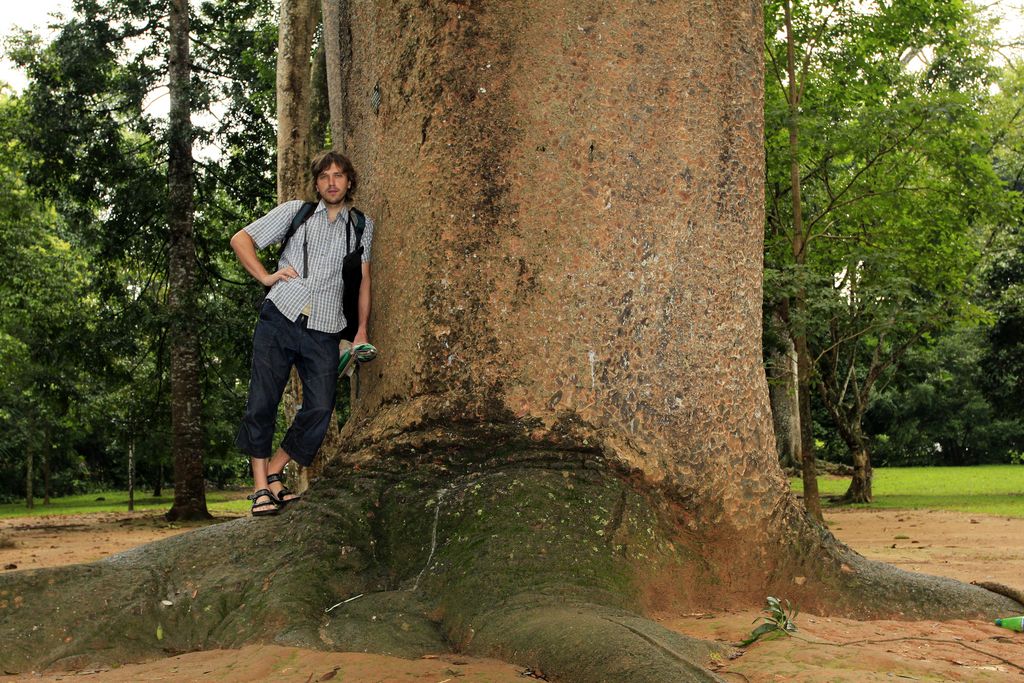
(327, 244)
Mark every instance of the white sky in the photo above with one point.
(30, 14)
(35, 14)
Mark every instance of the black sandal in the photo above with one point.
(274, 506)
(285, 491)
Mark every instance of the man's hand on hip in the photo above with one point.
(286, 274)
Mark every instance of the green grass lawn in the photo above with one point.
(985, 489)
(117, 501)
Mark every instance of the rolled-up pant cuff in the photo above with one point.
(279, 344)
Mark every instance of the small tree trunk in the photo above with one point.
(158, 487)
(295, 45)
(812, 501)
(319, 117)
(783, 395)
(131, 475)
(29, 500)
(46, 453)
(186, 397)
(860, 485)
(336, 47)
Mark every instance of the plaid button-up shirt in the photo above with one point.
(321, 288)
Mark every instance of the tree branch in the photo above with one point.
(868, 165)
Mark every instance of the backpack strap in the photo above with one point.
(304, 212)
(359, 227)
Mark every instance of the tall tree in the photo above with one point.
(295, 47)
(569, 427)
(792, 310)
(186, 397)
(336, 53)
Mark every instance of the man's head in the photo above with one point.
(334, 177)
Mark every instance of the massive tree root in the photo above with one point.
(551, 564)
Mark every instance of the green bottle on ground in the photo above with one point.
(1012, 623)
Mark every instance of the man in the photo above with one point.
(301, 323)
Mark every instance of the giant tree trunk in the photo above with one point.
(186, 396)
(567, 426)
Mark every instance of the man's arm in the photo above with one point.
(364, 306)
(245, 250)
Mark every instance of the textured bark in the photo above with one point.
(295, 45)
(336, 49)
(809, 469)
(186, 396)
(848, 424)
(580, 252)
(860, 485)
(319, 115)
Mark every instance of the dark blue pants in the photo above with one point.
(278, 344)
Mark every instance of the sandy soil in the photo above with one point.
(52, 540)
(962, 546)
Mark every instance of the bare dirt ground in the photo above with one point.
(962, 546)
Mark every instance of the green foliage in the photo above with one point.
(895, 138)
(777, 620)
(937, 410)
(48, 318)
(86, 152)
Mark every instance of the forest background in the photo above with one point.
(894, 251)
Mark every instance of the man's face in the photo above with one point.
(332, 184)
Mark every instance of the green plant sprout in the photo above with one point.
(776, 620)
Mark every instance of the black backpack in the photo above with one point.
(351, 268)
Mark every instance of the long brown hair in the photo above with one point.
(328, 157)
